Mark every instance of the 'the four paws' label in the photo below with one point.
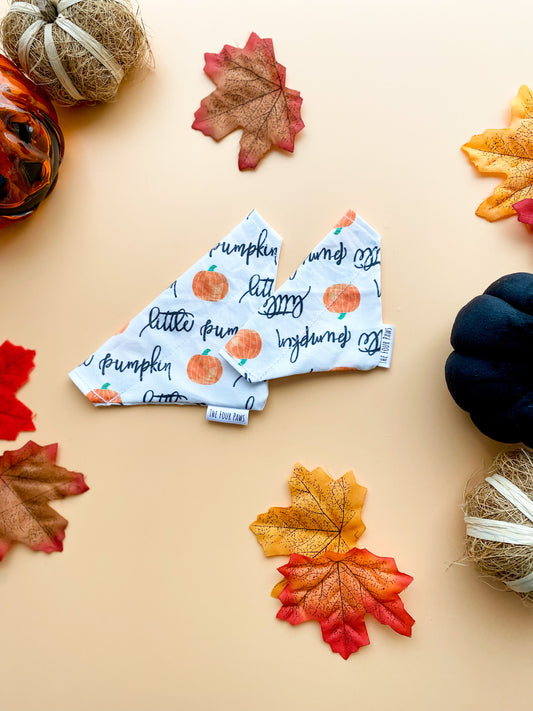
(227, 414)
(387, 343)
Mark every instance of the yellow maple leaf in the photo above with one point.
(325, 516)
(507, 152)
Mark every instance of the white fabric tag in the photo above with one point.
(387, 344)
(226, 414)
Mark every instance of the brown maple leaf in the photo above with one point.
(338, 590)
(250, 94)
(507, 152)
(325, 515)
(29, 479)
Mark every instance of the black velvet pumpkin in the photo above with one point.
(490, 372)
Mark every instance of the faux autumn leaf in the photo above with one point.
(325, 516)
(338, 589)
(250, 94)
(15, 366)
(507, 152)
(524, 208)
(29, 479)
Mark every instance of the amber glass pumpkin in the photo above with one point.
(31, 145)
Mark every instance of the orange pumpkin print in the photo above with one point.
(204, 369)
(104, 395)
(245, 344)
(345, 221)
(210, 285)
(342, 298)
(122, 329)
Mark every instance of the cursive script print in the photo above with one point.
(284, 304)
(212, 329)
(328, 255)
(151, 396)
(177, 321)
(366, 258)
(370, 342)
(311, 338)
(174, 288)
(258, 286)
(151, 365)
(258, 249)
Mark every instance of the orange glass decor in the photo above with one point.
(31, 145)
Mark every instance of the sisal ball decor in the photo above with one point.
(76, 50)
(499, 522)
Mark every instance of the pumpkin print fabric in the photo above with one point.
(327, 315)
(169, 353)
(221, 331)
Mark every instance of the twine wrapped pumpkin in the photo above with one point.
(499, 522)
(77, 50)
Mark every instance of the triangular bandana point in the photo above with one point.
(327, 315)
(168, 354)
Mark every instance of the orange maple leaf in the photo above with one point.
(507, 152)
(29, 479)
(250, 94)
(337, 590)
(325, 515)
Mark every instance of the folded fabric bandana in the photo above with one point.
(220, 332)
(327, 315)
(168, 353)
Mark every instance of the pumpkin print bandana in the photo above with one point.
(221, 331)
(327, 315)
(169, 352)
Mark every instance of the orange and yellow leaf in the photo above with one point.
(325, 516)
(338, 590)
(506, 152)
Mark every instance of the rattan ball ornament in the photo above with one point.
(76, 50)
(499, 522)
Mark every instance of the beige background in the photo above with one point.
(160, 600)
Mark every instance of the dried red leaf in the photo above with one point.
(15, 417)
(16, 363)
(524, 208)
(29, 479)
(338, 589)
(250, 94)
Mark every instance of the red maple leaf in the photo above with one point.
(338, 589)
(524, 208)
(29, 479)
(15, 366)
(250, 94)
